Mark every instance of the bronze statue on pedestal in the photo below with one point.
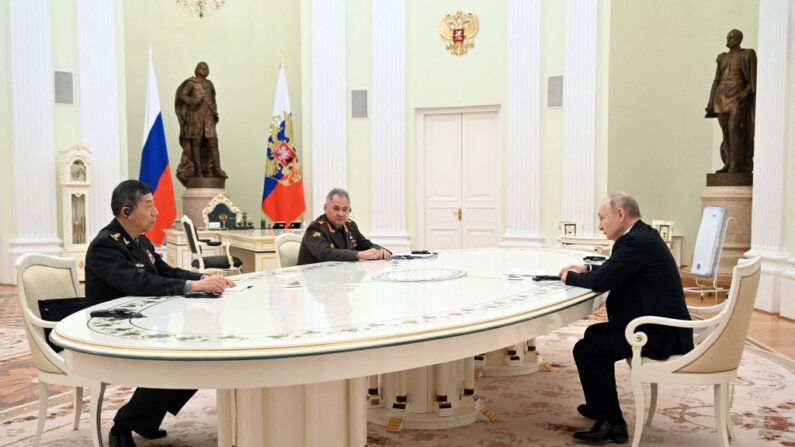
(732, 100)
(198, 114)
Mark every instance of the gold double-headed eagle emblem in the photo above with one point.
(458, 31)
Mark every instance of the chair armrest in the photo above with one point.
(36, 321)
(639, 339)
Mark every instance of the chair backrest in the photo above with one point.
(191, 234)
(41, 277)
(287, 246)
(709, 241)
(722, 349)
(223, 211)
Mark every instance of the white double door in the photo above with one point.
(462, 180)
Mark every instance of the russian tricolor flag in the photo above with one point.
(155, 169)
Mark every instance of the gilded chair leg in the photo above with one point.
(652, 404)
(42, 412)
(637, 391)
(720, 414)
(97, 394)
(78, 407)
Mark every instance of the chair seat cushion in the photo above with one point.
(217, 262)
(211, 243)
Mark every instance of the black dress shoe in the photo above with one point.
(149, 434)
(120, 438)
(586, 412)
(603, 431)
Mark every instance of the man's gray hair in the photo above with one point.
(337, 192)
(626, 201)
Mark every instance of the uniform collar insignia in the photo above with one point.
(317, 234)
(115, 236)
(126, 241)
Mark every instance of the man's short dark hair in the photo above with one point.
(127, 193)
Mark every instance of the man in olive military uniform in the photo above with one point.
(334, 237)
(121, 261)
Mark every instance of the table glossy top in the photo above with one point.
(333, 307)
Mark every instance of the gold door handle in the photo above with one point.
(459, 213)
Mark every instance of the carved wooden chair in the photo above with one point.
(714, 359)
(41, 277)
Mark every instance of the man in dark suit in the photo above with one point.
(121, 261)
(334, 237)
(643, 279)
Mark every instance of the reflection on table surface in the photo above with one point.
(332, 307)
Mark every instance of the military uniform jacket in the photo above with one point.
(643, 279)
(117, 266)
(322, 242)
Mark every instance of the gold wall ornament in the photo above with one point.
(458, 31)
(201, 7)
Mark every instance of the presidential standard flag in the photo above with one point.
(283, 191)
(155, 169)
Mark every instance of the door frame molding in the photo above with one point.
(420, 115)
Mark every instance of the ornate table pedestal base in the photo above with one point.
(432, 397)
(516, 360)
(195, 199)
(327, 413)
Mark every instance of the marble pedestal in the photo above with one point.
(516, 360)
(194, 200)
(737, 202)
(431, 397)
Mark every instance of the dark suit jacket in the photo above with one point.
(117, 266)
(323, 243)
(643, 279)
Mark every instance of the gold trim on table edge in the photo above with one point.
(187, 354)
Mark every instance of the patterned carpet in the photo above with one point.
(533, 410)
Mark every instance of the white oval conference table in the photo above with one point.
(307, 337)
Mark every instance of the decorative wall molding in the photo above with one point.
(33, 128)
(388, 121)
(99, 103)
(329, 111)
(768, 219)
(579, 113)
(523, 107)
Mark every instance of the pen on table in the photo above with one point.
(247, 287)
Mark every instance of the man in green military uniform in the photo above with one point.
(121, 261)
(334, 237)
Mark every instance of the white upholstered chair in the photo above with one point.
(287, 246)
(713, 360)
(224, 264)
(41, 277)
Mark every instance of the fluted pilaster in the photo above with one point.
(773, 94)
(579, 113)
(33, 132)
(99, 103)
(388, 208)
(523, 214)
(329, 111)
